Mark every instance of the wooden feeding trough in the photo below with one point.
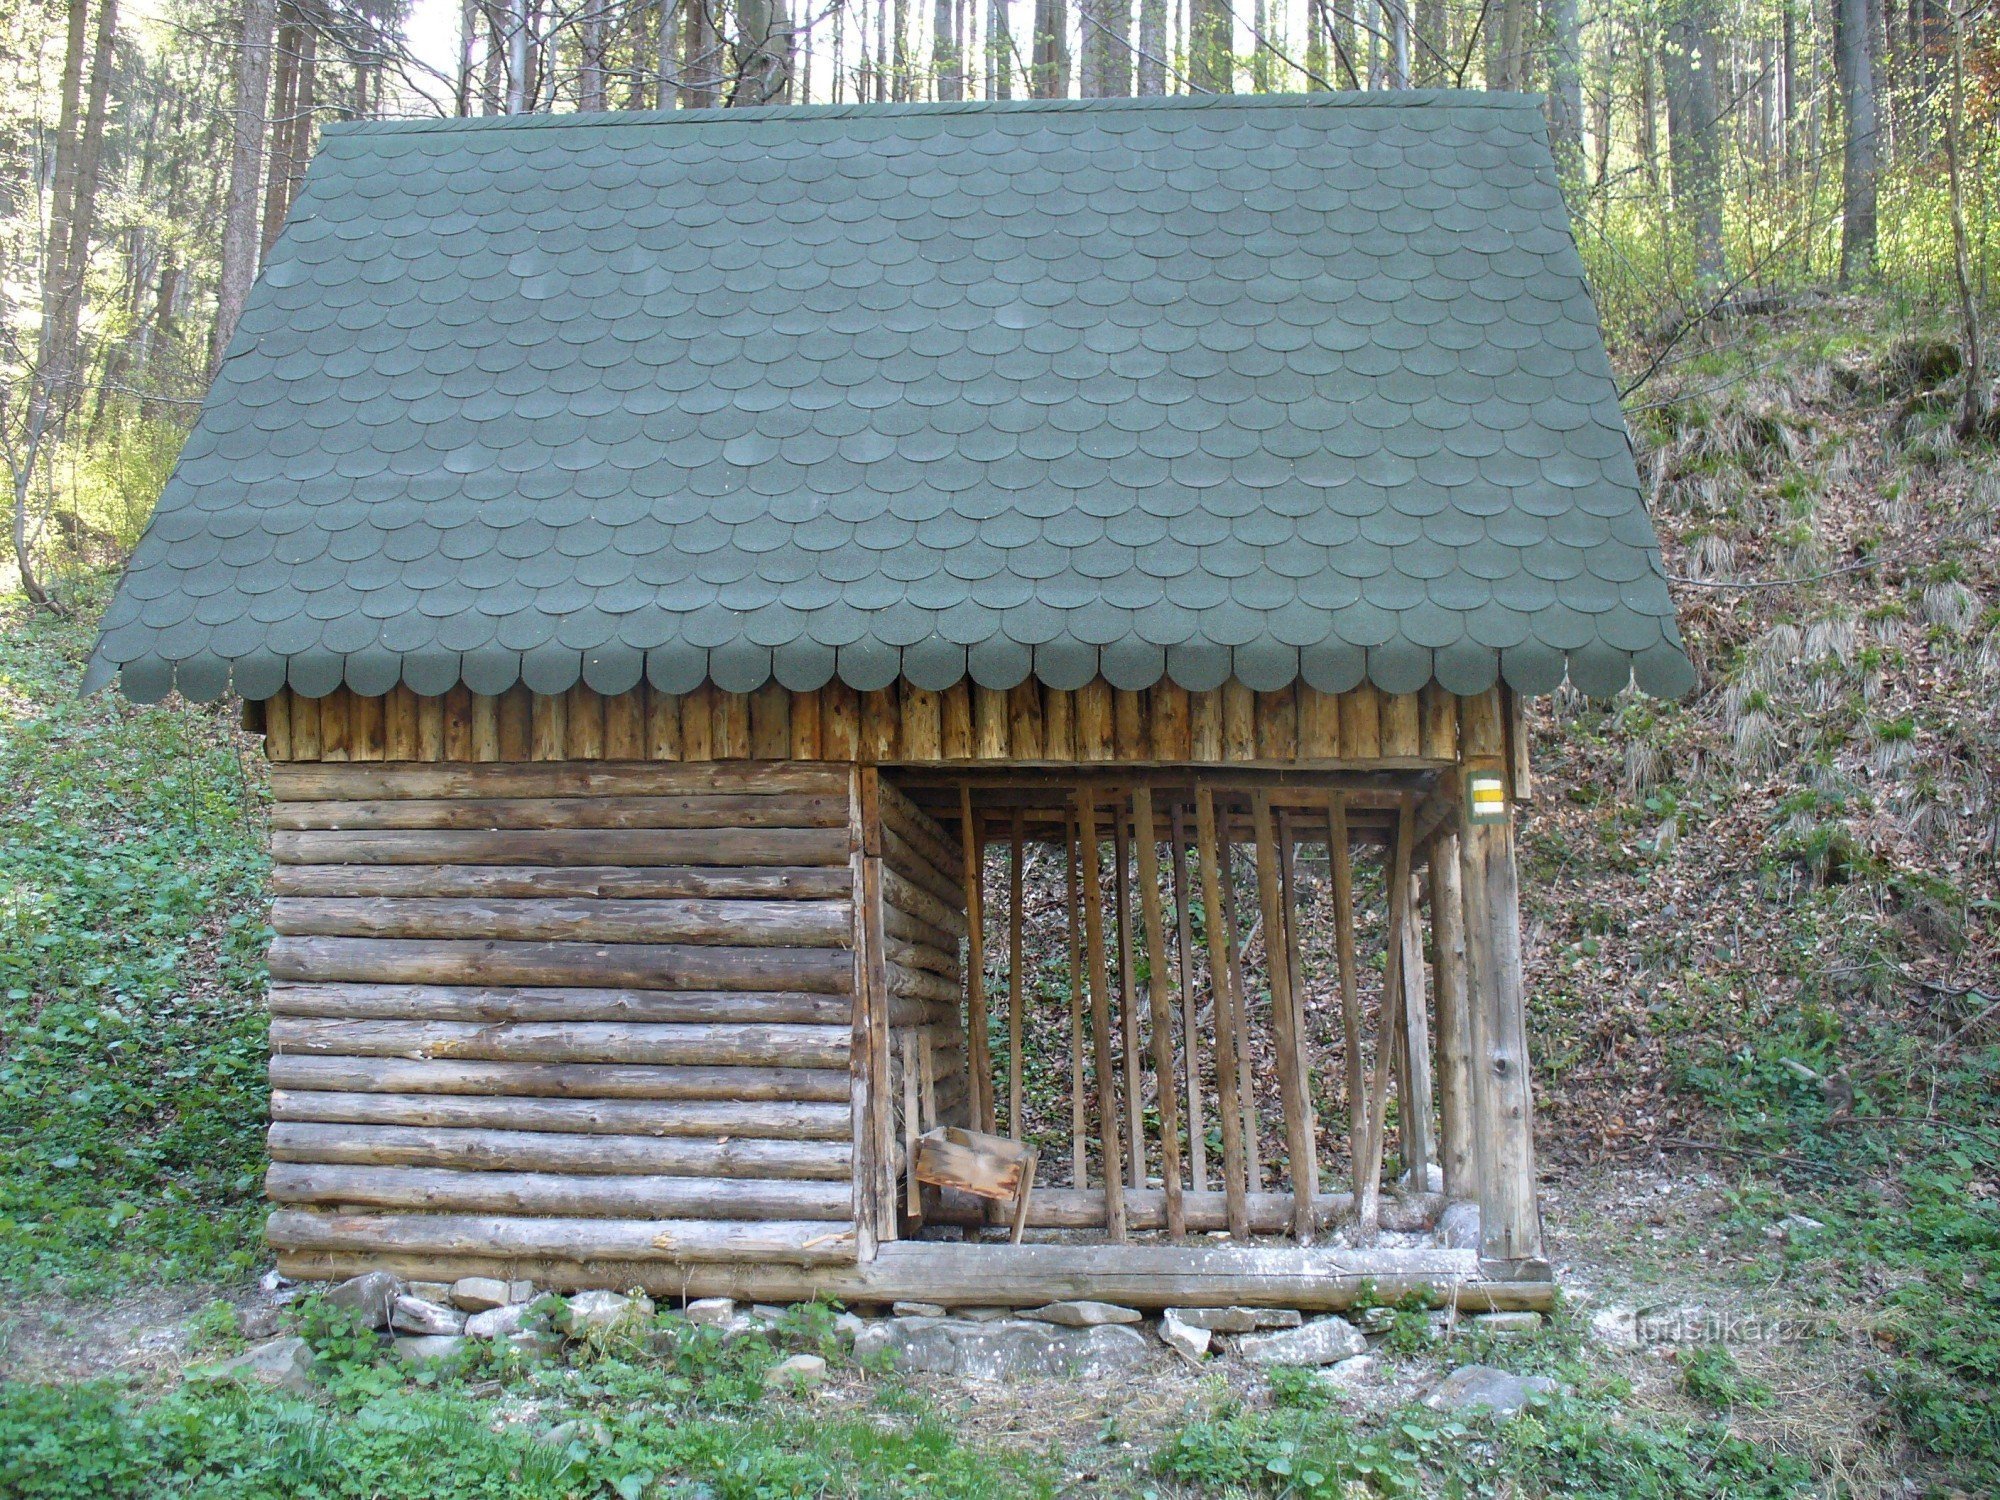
(1018, 676)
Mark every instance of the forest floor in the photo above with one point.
(1764, 974)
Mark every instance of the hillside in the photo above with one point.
(1765, 983)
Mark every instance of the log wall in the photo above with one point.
(598, 1012)
(1031, 724)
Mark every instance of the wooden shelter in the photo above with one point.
(778, 631)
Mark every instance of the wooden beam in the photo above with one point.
(1418, 1106)
(1079, 1159)
(1342, 867)
(1100, 1018)
(1454, 1047)
(975, 964)
(1227, 1074)
(1161, 1009)
(1239, 1005)
(874, 1190)
(1389, 1023)
(1016, 880)
(1128, 1001)
(1284, 1018)
(1190, 1020)
(516, 713)
(1288, 898)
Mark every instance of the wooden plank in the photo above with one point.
(1454, 1046)
(874, 1151)
(1015, 958)
(582, 1239)
(1059, 725)
(814, 924)
(1024, 720)
(719, 1119)
(1073, 926)
(1308, 1067)
(516, 723)
(1128, 1006)
(770, 708)
(721, 809)
(805, 726)
(1284, 1017)
(609, 965)
(626, 846)
(839, 722)
(399, 723)
(1239, 722)
(549, 1193)
(1438, 723)
(1190, 1021)
(1207, 1213)
(548, 728)
(986, 1166)
(305, 733)
(1341, 861)
(392, 1075)
(1129, 739)
(698, 712)
(1147, 832)
(910, 1076)
(1319, 724)
(447, 1002)
(430, 728)
(1401, 731)
(1277, 716)
(1239, 1004)
(1095, 733)
(624, 726)
(955, 718)
(1416, 1111)
(726, 1045)
(1205, 725)
(880, 721)
(1389, 1023)
(923, 727)
(322, 783)
(731, 736)
(794, 882)
(485, 727)
(334, 725)
(1098, 976)
(1227, 1075)
(584, 1154)
(1520, 774)
(366, 734)
(989, 723)
(278, 725)
(1361, 723)
(1167, 715)
(585, 736)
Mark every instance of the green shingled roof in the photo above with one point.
(1285, 387)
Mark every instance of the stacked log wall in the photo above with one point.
(563, 1012)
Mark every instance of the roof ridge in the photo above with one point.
(1164, 104)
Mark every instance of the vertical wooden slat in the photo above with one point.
(839, 722)
(1094, 735)
(1128, 1000)
(305, 726)
(1520, 776)
(1226, 1071)
(625, 724)
(1277, 716)
(922, 728)
(771, 722)
(1402, 737)
(989, 723)
(1415, 1110)
(1059, 725)
(1284, 1019)
(1190, 1021)
(663, 725)
(978, 1051)
(1239, 722)
(585, 737)
(516, 713)
(1024, 720)
(1239, 999)
(278, 725)
(913, 1191)
(730, 738)
(955, 720)
(430, 728)
(1100, 1018)
(1389, 1024)
(867, 1081)
(458, 723)
(1341, 858)
(698, 724)
(1454, 1052)
(1015, 882)
(1205, 725)
(1167, 716)
(1128, 726)
(399, 723)
(1079, 1157)
(485, 727)
(365, 734)
(1361, 723)
(879, 725)
(805, 718)
(1288, 898)
(334, 724)
(1437, 713)
(1319, 724)
(1146, 832)
(548, 727)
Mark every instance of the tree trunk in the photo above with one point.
(1051, 54)
(999, 52)
(1854, 68)
(1692, 146)
(946, 77)
(1152, 59)
(246, 162)
(669, 62)
(1107, 49)
(1975, 413)
(1566, 88)
(1210, 66)
(284, 103)
(590, 68)
(763, 53)
(698, 74)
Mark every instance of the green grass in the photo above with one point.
(132, 1041)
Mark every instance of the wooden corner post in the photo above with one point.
(1496, 1011)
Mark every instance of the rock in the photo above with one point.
(430, 1291)
(1237, 1319)
(273, 1282)
(496, 1322)
(425, 1319)
(599, 1312)
(1189, 1340)
(710, 1312)
(800, 1369)
(285, 1364)
(849, 1323)
(1374, 1319)
(1009, 1349)
(370, 1294)
(590, 1432)
(1482, 1388)
(1616, 1326)
(480, 1293)
(535, 1341)
(1319, 1342)
(1458, 1226)
(416, 1350)
(1509, 1323)
(1791, 1227)
(520, 1291)
(1083, 1314)
(257, 1323)
(983, 1314)
(918, 1310)
(1351, 1374)
(768, 1312)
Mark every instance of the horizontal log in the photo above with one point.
(665, 882)
(640, 847)
(809, 924)
(612, 965)
(916, 984)
(906, 895)
(393, 1075)
(923, 956)
(716, 810)
(914, 929)
(546, 1151)
(1312, 1280)
(1270, 1213)
(566, 1041)
(582, 1239)
(923, 833)
(452, 1002)
(327, 783)
(912, 866)
(722, 1118)
(553, 1193)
